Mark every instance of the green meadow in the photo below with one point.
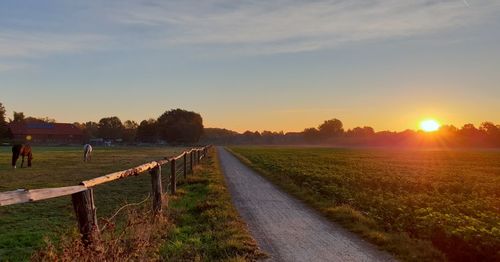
(23, 226)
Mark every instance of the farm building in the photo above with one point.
(46, 133)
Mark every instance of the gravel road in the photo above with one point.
(285, 228)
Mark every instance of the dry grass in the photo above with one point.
(136, 239)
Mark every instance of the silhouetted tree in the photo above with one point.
(492, 132)
(180, 126)
(250, 137)
(130, 131)
(360, 132)
(90, 130)
(311, 135)
(147, 131)
(3, 122)
(331, 128)
(18, 117)
(31, 119)
(219, 136)
(110, 128)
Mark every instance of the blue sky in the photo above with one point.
(276, 65)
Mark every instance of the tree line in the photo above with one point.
(332, 132)
(179, 126)
(176, 126)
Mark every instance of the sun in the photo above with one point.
(429, 125)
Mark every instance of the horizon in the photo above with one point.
(277, 66)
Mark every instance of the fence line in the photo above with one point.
(82, 195)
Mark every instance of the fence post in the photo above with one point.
(191, 161)
(157, 189)
(172, 177)
(83, 204)
(185, 165)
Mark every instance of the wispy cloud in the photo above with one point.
(296, 26)
(232, 26)
(34, 44)
(8, 67)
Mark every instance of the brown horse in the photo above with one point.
(21, 150)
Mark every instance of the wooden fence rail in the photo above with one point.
(82, 195)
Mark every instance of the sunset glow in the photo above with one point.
(429, 125)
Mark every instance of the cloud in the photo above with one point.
(235, 26)
(296, 26)
(8, 67)
(21, 44)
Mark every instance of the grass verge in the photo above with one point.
(207, 226)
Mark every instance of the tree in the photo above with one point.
(469, 130)
(110, 128)
(31, 119)
(311, 134)
(180, 126)
(331, 128)
(147, 131)
(90, 130)
(361, 132)
(3, 122)
(492, 133)
(130, 131)
(18, 117)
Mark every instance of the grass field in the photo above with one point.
(23, 226)
(416, 204)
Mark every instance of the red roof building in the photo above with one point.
(46, 133)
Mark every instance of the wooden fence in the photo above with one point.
(82, 195)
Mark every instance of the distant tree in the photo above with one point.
(31, 119)
(361, 132)
(218, 136)
(18, 117)
(147, 131)
(110, 128)
(469, 130)
(90, 130)
(268, 137)
(489, 128)
(492, 133)
(180, 126)
(311, 135)
(3, 122)
(331, 128)
(250, 137)
(130, 131)
(448, 129)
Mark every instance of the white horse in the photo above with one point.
(87, 152)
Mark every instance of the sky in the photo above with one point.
(279, 65)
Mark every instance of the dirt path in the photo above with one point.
(285, 228)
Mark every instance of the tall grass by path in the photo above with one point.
(207, 227)
(417, 204)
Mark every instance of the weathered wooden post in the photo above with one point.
(185, 165)
(83, 204)
(156, 189)
(172, 176)
(195, 153)
(191, 161)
